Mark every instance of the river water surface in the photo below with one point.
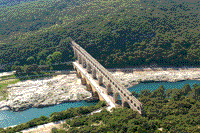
(9, 118)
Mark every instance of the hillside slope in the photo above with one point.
(116, 33)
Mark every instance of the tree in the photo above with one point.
(30, 68)
(17, 63)
(42, 62)
(145, 92)
(168, 92)
(195, 85)
(43, 118)
(42, 55)
(196, 92)
(185, 90)
(175, 95)
(159, 93)
(56, 57)
(135, 94)
(30, 60)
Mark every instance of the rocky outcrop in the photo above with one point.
(47, 92)
(130, 79)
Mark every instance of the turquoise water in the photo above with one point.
(167, 85)
(9, 118)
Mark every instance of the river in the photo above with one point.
(167, 85)
(9, 118)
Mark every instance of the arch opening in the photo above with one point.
(83, 81)
(88, 87)
(109, 90)
(117, 99)
(78, 74)
(126, 105)
(89, 69)
(95, 95)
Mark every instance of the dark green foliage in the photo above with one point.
(196, 93)
(135, 94)
(159, 93)
(135, 34)
(145, 92)
(186, 89)
(179, 115)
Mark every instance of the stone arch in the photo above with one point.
(94, 76)
(117, 98)
(89, 87)
(88, 67)
(109, 90)
(95, 94)
(83, 62)
(126, 104)
(78, 74)
(74, 68)
(79, 59)
(100, 80)
(83, 81)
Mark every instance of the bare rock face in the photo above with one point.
(47, 92)
(130, 79)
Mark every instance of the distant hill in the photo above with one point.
(19, 17)
(14, 2)
(117, 33)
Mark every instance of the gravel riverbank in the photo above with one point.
(64, 88)
(135, 77)
(46, 92)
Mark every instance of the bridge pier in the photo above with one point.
(125, 104)
(116, 97)
(100, 80)
(83, 81)
(109, 91)
(78, 74)
(83, 63)
(79, 59)
(94, 73)
(89, 88)
(75, 53)
(89, 68)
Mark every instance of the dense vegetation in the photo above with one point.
(56, 116)
(18, 17)
(116, 33)
(174, 110)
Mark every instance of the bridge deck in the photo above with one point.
(95, 84)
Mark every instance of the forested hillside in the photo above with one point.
(30, 15)
(117, 33)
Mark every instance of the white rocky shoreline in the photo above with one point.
(135, 77)
(68, 88)
(46, 92)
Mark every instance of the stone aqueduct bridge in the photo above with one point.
(104, 77)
